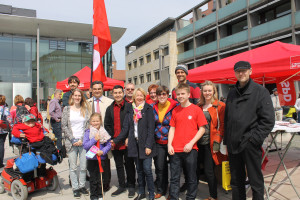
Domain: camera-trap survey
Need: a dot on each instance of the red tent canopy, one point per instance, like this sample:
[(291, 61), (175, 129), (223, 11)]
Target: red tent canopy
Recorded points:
[(269, 62), (84, 76)]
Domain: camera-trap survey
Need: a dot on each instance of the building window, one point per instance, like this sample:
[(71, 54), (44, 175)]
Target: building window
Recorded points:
[(134, 63), (129, 80), (237, 27), (188, 45), (57, 45), (275, 13), (148, 57), (156, 75), (135, 80), (156, 55), (149, 77), (129, 66), (142, 79), (166, 51), (141, 59)]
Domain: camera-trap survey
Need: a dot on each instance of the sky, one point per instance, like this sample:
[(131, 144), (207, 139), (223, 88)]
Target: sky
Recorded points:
[(137, 16)]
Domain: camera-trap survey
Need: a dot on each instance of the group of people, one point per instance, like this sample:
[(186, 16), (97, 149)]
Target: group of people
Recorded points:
[(135, 128)]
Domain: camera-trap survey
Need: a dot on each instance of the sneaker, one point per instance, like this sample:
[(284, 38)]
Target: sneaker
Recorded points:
[(84, 191), (76, 194), (183, 188), (131, 192), (119, 191)]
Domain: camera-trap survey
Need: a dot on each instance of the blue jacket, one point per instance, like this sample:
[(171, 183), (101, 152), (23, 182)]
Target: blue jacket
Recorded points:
[(162, 128), (88, 143)]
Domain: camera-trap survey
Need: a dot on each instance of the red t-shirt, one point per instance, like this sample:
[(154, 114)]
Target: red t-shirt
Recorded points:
[(117, 125), (187, 122)]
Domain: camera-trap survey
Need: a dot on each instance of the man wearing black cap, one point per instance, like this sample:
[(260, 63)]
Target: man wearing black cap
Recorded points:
[(181, 72), (249, 118), (276, 104)]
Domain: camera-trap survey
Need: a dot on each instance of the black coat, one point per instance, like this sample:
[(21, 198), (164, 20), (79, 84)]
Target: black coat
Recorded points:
[(249, 117), (145, 133), (109, 117)]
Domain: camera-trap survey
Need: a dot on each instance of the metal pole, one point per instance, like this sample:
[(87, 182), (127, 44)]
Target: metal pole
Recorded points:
[(38, 66)]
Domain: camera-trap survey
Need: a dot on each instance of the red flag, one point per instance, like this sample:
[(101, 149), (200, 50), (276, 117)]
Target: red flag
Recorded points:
[(99, 159), (102, 39), (286, 92)]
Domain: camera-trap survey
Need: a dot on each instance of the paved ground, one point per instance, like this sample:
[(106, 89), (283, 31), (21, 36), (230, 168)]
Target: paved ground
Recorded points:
[(283, 191)]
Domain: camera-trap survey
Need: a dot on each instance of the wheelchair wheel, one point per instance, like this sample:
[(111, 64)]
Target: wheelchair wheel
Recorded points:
[(2, 190), (54, 183), (18, 190)]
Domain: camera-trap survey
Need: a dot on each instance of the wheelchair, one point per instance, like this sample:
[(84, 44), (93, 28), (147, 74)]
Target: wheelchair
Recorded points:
[(21, 184)]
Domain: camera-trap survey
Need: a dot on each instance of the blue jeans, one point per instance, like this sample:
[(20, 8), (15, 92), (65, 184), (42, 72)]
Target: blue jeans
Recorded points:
[(77, 151), (177, 162), (144, 171)]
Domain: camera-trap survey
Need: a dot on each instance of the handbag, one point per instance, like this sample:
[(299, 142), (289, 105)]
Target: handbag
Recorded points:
[(63, 151), (27, 162), (226, 175)]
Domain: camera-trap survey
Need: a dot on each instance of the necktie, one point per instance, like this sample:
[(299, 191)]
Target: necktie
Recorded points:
[(98, 106)]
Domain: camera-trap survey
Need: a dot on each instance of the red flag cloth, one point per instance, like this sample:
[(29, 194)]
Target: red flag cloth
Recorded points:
[(102, 39), (286, 92), (99, 159), (266, 160)]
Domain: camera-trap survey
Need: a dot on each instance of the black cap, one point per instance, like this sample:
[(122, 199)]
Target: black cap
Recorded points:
[(242, 65)]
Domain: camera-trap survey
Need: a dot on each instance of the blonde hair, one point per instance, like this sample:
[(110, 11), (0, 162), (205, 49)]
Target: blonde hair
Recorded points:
[(83, 104), (215, 92), (136, 90), (97, 115)]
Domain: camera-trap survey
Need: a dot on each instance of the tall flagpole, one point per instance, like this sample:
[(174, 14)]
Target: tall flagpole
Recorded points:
[(38, 66), (92, 66)]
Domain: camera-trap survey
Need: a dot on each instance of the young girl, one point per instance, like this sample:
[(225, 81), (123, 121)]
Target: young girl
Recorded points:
[(96, 133)]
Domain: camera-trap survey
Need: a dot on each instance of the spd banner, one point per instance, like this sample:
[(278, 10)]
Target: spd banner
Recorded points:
[(286, 92)]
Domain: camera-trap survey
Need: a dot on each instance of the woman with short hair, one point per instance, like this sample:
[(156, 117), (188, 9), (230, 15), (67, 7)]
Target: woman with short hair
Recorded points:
[(138, 127)]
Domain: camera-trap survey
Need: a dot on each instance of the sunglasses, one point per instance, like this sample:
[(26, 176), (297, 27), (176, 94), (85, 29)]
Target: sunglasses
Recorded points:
[(129, 89)]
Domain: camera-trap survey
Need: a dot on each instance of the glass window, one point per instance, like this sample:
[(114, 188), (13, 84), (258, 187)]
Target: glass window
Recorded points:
[(188, 45), (33, 49), (283, 10), (148, 57), (166, 51), (50, 55), (51, 72), (141, 61), (141, 79), (135, 80), (149, 77), (156, 75), (129, 80), (21, 71), (21, 48), (6, 48), (134, 63), (238, 27), (73, 52), (86, 52), (129, 66), (72, 68), (6, 70), (156, 55)]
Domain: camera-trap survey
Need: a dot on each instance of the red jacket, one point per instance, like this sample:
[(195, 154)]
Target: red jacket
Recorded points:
[(33, 134), (217, 113)]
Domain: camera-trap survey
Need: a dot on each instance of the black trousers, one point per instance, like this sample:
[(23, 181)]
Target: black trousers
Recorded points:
[(177, 162), (107, 173), (161, 169), (2, 142), (95, 179), (56, 126), (250, 158), (122, 160), (209, 166)]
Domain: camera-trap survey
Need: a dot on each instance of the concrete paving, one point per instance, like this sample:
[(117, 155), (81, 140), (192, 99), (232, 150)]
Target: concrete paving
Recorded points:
[(283, 191)]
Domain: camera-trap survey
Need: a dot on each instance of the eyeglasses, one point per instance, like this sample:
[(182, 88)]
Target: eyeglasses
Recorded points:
[(129, 89), (162, 94)]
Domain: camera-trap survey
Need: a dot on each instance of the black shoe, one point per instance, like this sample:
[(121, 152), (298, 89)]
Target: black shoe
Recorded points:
[(183, 188), (84, 191), (1, 165), (76, 194), (119, 191), (106, 187), (131, 192), (140, 196)]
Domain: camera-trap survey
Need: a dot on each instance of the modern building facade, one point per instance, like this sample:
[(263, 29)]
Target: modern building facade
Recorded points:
[(152, 58), (64, 48), (233, 27)]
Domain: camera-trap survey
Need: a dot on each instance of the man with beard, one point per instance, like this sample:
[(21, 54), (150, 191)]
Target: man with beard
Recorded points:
[(73, 82)]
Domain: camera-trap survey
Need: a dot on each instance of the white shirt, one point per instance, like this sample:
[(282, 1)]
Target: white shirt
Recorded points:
[(136, 135), (77, 124), (95, 102)]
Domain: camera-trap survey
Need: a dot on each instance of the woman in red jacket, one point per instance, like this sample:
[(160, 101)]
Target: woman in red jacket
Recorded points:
[(209, 143)]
